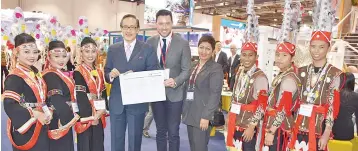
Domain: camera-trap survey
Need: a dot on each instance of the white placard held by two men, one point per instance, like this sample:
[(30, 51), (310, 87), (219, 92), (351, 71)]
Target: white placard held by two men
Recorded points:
[(143, 87)]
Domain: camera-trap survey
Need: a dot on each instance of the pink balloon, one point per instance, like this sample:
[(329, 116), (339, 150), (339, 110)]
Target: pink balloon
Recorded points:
[(105, 32), (38, 26), (37, 36), (73, 32), (53, 20), (81, 22), (18, 15)]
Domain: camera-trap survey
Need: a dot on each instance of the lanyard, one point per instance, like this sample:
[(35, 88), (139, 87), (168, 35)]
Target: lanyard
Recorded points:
[(69, 80), (166, 51), (193, 77), (98, 86), (38, 83)]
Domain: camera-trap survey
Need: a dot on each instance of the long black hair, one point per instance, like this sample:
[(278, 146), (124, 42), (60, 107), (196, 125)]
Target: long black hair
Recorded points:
[(347, 86)]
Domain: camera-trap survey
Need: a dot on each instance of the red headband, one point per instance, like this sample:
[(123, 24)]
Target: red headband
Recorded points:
[(321, 35), (249, 46), (286, 47)]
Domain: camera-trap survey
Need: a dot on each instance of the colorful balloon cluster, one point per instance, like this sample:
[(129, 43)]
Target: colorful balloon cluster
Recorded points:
[(47, 30)]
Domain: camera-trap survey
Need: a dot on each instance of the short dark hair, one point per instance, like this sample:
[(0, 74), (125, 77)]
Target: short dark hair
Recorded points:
[(164, 12), (217, 41), (23, 38), (209, 39), (129, 16)]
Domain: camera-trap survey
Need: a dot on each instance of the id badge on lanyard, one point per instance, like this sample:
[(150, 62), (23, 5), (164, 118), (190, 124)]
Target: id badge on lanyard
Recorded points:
[(190, 94), (46, 109)]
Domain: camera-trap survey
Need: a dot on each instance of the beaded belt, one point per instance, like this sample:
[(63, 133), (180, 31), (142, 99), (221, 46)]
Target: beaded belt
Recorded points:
[(31, 105)]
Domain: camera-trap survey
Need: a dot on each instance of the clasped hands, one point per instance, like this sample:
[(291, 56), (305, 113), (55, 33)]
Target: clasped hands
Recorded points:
[(42, 117), (97, 116)]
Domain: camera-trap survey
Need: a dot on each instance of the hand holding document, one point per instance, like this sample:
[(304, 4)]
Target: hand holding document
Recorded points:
[(143, 87)]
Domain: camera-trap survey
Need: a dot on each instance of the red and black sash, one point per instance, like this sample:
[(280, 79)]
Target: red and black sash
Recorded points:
[(95, 85), (36, 84), (59, 133)]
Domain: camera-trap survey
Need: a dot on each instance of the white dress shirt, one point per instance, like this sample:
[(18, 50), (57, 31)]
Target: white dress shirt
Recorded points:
[(217, 56), (132, 44), (160, 43)]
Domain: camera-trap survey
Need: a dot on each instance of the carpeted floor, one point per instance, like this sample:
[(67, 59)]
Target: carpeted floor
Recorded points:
[(216, 143)]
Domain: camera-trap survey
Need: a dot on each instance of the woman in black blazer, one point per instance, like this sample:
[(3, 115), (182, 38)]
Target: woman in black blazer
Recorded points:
[(203, 95)]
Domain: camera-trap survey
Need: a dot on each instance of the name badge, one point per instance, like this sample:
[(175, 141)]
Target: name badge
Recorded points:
[(306, 110), (235, 108), (190, 96), (166, 74), (74, 107), (46, 110), (99, 104)]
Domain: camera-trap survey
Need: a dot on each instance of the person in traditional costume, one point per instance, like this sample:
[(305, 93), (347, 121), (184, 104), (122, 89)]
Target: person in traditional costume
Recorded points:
[(319, 99), (91, 99), (284, 90), (249, 92), (61, 94), (25, 99)]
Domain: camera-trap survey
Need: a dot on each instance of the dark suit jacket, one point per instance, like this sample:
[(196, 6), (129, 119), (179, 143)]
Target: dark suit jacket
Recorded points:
[(232, 68), (207, 94), (223, 61), (178, 61), (143, 58)]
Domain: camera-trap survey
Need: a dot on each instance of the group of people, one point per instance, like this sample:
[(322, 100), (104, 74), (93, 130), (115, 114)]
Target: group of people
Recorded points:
[(297, 111)]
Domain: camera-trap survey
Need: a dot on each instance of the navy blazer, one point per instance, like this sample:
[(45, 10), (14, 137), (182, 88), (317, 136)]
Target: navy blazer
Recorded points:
[(143, 58)]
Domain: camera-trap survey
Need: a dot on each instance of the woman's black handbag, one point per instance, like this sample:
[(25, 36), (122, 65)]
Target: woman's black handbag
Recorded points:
[(219, 119)]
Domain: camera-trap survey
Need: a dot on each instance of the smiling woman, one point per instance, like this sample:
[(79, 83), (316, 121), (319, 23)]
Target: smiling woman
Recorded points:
[(24, 99), (203, 96)]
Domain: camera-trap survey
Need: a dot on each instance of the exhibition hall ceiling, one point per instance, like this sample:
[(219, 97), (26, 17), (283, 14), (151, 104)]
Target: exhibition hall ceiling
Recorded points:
[(270, 12)]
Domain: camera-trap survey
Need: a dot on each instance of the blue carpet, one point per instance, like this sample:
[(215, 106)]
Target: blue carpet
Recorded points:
[(148, 144)]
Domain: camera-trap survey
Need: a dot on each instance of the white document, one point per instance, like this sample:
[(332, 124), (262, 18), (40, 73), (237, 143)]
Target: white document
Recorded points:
[(306, 110), (142, 87), (166, 72)]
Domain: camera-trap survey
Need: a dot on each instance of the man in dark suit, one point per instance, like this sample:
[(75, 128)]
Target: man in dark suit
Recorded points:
[(173, 53), (220, 57), (234, 62), (131, 55)]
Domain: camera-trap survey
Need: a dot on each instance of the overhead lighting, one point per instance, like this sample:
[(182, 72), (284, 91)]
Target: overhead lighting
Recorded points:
[(258, 7), (275, 19), (258, 16)]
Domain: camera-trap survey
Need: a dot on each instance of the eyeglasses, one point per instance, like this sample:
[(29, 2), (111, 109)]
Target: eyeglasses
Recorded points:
[(129, 27)]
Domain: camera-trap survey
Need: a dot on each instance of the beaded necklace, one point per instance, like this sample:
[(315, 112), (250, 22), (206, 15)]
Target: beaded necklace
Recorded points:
[(311, 92)]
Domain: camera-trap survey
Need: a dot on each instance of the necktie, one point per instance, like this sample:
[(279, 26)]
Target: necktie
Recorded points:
[(128, 52), (164, 51)]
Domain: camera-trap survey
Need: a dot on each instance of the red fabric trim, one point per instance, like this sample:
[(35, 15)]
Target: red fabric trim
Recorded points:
[(81, 127), (336, 104), (32, 140), (232, 121)]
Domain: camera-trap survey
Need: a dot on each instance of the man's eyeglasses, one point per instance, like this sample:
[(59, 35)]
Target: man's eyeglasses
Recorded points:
[(129, 28)]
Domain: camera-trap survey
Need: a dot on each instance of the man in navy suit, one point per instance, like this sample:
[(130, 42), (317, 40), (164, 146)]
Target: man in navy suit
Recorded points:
[(131, 55)]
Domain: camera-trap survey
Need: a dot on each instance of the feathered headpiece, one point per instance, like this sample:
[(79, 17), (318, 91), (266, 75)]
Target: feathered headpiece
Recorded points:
[(289, 28), (252, 31), (323, 19)]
